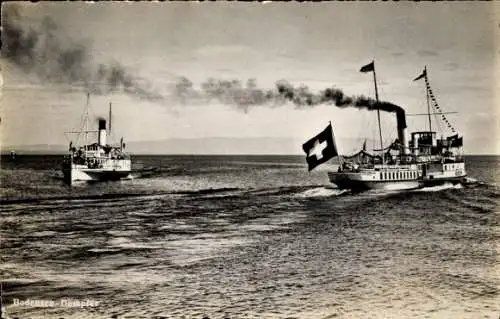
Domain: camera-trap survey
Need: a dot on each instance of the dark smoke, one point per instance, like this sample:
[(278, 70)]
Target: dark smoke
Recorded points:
[(44, 52), (41, 50), (233, 92)]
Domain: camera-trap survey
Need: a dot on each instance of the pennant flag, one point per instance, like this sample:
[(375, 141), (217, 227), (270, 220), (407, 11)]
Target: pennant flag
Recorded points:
[(320, 148), (368, 68), (424, 74)]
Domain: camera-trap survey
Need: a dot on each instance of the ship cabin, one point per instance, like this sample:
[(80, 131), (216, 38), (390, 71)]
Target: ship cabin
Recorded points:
[(95, 155), (426, 147), (438, 158)]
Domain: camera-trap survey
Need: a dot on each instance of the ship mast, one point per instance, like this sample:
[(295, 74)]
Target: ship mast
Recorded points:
[(378, 112), (109, 118), (428, 100), (86, 122)]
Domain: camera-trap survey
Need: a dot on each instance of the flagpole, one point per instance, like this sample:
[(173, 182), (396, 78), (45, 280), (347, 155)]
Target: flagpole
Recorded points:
[(341, 162), (378, 112)]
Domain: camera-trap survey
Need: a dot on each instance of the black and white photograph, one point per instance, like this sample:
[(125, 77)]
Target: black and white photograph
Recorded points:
[(226, 160)]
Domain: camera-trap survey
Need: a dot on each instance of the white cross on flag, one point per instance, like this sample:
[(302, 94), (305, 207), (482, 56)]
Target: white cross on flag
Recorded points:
[(320, 148)]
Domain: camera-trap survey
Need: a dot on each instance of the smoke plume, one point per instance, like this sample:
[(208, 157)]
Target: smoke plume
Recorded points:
[(233, 92), (45, 52), (41, 49)]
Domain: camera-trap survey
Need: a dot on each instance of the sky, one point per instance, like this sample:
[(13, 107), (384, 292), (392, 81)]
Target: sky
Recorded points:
[(136, 55)]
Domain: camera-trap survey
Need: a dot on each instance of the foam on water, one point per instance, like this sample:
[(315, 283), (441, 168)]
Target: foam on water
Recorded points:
[(129, 243), (321, 192), (439, 188)]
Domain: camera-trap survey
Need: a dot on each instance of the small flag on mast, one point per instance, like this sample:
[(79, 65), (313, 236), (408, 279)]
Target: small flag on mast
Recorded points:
[(320, 148), (368, 68), (424, 74)]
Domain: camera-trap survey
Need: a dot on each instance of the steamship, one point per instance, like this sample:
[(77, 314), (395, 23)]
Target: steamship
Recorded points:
[(424, 161), (98, 161)]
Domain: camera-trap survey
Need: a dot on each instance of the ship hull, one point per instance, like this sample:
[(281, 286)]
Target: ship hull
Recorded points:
[(355, 182), (81, 173)]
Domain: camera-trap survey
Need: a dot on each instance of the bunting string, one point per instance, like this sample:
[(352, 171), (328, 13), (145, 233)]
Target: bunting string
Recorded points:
[(436, 106)]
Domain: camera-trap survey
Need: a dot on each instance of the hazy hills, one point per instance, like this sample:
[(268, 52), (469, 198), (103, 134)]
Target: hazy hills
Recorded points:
[(217, 145)]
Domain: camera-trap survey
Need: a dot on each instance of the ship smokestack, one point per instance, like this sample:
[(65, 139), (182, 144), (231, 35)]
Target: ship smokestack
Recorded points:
[(102, 132), (401, 118)]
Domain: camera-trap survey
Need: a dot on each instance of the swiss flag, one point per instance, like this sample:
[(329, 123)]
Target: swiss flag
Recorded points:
[(320, 148)]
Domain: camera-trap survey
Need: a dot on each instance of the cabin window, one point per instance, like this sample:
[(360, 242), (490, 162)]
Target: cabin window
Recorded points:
[(380, 175)]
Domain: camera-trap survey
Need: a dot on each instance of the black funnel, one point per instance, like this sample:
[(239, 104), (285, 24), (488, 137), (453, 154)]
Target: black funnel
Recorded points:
[(102, 124)]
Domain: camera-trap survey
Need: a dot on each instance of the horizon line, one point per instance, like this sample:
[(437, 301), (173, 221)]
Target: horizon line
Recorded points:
[(41, 153)]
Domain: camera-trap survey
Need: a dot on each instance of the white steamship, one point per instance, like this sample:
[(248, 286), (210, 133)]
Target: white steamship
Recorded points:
[(425, 160), (98, 161)]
